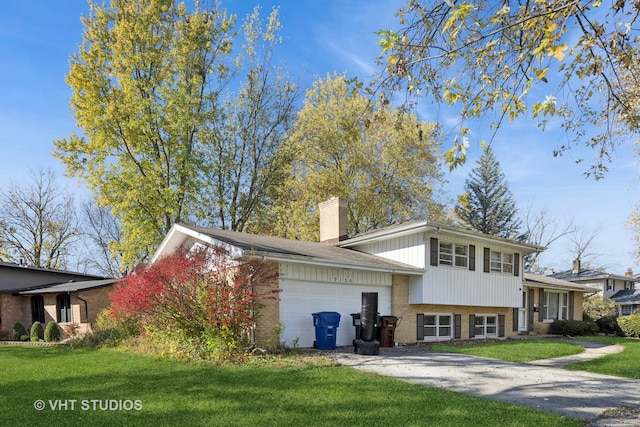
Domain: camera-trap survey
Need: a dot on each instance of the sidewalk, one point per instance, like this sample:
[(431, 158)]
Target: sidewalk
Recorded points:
[(541, 384)]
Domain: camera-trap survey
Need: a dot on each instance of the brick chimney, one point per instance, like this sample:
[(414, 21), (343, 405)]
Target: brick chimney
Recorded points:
[(576, 266), (333, 220), (628, 273)]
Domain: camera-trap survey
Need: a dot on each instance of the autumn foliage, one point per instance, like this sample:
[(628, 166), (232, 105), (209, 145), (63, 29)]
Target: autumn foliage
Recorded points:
[(198, 303)]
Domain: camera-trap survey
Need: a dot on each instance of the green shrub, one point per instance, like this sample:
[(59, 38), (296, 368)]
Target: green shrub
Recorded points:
[(608, 325), (630, 325), (20, 332), (122, 327), (573, 328), (37, 332), (595, 307), (52, 332)]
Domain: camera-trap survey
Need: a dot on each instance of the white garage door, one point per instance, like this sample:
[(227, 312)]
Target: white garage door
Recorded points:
[(299, 300)]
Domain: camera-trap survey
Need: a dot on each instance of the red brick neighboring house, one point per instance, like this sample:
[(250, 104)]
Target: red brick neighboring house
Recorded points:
[(29, 294)]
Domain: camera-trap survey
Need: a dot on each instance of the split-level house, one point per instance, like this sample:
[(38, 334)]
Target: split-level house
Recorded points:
[(621, 289), (441, 282), (29, 294)]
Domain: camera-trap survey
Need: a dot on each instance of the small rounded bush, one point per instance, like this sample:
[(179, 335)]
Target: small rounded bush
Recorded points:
[(37, 332), (609, 326), (630, 325), (52, 332), (19, 332)]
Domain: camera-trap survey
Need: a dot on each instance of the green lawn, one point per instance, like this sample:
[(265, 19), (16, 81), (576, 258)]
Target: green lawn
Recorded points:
[(624, 364), (514, 351), (170, 393)]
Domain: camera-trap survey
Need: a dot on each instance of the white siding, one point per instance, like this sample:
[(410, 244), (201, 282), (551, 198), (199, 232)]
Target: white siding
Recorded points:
[(407, 249), (457, 286), (307, 290), (450, 285)]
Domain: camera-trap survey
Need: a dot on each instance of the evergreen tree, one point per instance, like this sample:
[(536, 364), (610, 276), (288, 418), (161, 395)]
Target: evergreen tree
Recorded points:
[(487, 205)]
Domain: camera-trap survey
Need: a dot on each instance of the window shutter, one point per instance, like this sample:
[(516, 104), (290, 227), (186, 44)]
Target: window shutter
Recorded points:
[(516, 310), (542, 300), (472, 257), (420, 324), (501, 321), (516, 264), (434, 252), (487, 259), (571, 302), (472, 325), (530, 310), (457, 320)]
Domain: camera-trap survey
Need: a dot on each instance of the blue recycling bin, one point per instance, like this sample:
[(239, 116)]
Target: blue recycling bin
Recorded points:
[(326, 324)]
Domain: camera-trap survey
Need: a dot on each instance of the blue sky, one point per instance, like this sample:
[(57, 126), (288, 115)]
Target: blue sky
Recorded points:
[(38, 37)]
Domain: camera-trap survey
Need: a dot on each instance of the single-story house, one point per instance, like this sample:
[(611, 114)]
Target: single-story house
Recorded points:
[(29, 294), (441, 282)]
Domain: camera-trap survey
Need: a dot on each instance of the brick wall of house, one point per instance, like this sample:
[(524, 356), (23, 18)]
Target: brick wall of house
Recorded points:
[(15, 309), (269, 312), (406, 331)]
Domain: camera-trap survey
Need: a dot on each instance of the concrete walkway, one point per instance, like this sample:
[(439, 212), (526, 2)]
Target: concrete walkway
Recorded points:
[(591, 351), (541, 384)]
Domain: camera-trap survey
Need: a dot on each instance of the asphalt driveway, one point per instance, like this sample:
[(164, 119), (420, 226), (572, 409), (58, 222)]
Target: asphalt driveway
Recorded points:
[(542, 384)]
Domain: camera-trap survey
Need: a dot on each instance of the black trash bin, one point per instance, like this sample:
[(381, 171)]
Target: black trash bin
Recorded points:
[(387, 330), (326, 324)]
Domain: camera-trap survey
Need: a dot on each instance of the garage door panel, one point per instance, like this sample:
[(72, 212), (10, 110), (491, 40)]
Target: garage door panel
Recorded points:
[(299, 300)]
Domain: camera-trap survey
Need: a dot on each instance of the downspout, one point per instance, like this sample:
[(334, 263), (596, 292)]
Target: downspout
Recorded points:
[(252, 335), (86, 308)]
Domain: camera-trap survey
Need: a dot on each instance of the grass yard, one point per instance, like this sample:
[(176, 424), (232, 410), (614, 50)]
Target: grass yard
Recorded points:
[(514, 351), (624, 364), (141, 390)]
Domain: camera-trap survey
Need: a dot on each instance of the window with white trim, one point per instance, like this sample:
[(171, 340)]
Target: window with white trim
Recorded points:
[(555, 306), (610, 285), (626, 310), (438, 327), (453, 254), (486, 326), (501, 262)]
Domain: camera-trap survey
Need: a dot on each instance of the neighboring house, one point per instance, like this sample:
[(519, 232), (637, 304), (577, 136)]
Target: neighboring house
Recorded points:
[(619, 288), (441, 282), (605, 284), (627, 301), (29, 294)]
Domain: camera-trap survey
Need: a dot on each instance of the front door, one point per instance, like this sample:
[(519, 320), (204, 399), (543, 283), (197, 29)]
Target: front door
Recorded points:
[(522, 313)]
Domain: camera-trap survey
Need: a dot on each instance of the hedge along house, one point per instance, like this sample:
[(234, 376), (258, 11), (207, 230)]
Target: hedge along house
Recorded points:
[(442, 282), (29, 294)]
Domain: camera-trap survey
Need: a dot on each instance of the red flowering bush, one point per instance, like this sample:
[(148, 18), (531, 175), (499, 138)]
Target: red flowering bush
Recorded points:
[(200, 303)]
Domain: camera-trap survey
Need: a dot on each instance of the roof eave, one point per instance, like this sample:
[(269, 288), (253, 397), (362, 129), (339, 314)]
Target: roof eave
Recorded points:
[(425, 226), (296, 259)]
